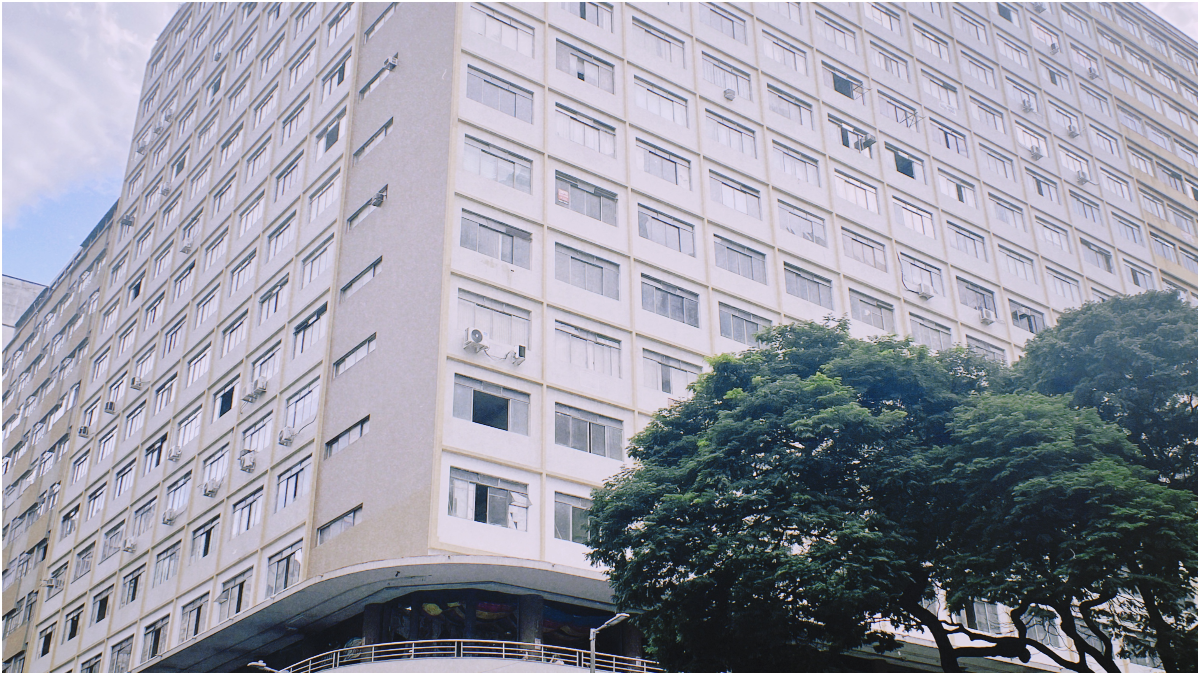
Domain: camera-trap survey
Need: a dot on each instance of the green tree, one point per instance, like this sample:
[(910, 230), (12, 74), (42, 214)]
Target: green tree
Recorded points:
[(1133, 359), (818, 484)]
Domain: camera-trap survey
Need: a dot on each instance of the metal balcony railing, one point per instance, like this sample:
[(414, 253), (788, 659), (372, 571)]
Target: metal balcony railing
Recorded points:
[(478, 649)]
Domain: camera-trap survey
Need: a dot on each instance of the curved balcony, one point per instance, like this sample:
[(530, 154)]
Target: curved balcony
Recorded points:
[(525, 657)]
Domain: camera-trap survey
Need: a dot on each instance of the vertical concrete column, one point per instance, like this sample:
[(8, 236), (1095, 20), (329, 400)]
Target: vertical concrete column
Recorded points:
[(470, 605), (631, 640), (531, 618), (372, 623)]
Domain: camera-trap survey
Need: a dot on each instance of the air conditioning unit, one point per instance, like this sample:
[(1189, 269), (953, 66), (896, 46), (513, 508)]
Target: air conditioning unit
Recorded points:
[(110, 407), (217, 56), (140, 149), (136, 382), (168, 115), (1027, 106), (730, 94), (169, 516), (986, 316), (390, 63), (52, 584), (1072, 132), (210, 487), (174, 453), (1093, 73), (1035, 153), (476, 339), (83, 432), (129, 545), (158, 129), (1038, 7), (246, 460), (864, 142), (286, 435), (925, 291), (127, 220), (1054, 49), (165, 189), (377, 200), (518, 354), (1081, 177), (186, 248), (260, 386)]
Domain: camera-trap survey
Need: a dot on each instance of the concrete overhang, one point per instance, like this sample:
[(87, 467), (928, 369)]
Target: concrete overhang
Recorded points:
[(329, 598)]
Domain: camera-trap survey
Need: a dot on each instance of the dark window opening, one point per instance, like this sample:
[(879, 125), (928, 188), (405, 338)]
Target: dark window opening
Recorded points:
[(489, 410)]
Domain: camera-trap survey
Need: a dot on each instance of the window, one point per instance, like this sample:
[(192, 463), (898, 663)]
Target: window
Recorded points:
[(301, 407), (324, 197), (571, 518), (785, 54), (247, 512), (666, 231), (79, 467), (487, 499), (301, 66), (931, 44), (740, 325), (586, 131), (895, 66), (1026, 318), (586, 271), (241, 274), (933, 335), (339, 442), (223, 399), (292, 484), (956, 188), (1130, 120), (491, 405), (361, 279), (871, 311), (660, 102), (493, 239), (292, 122), (789, 106), (971, 27), (1018, 265), (1056, 236), (808, 286), (494, 163), (1183, 221), (665, 164), (95, 502), (802, 223), (884, 17), (338, 525), (251, 217), (670, 301), (164, 396), (1013, 53), (497, 27), (741, 260), (588, 432), (998, 163), (191, 618), (864, 250), (374, 140), (1042, 185), (283, 569), (154, 639), (584, 66), (990, 117), (166, 564), (316, 263), (503, 323), (907, 164), (847, 86), (731, 134), (585, 198), (308, 331), (837, 34), (722, 21), (135, 420), (979, 71), (663, 45), (1085, 208), (1154, 205), (952, 139), (1084, 60), (1064, 286), (500, 94), (726, 77), (1141, 162), (920, 276), (856, 191), (976, 296), (1106, 142), (177, 494), (234, 596), (328, 136)]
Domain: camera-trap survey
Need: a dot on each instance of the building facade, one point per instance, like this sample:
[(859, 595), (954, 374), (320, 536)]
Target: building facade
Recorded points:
[(390, 285), (19, 294)]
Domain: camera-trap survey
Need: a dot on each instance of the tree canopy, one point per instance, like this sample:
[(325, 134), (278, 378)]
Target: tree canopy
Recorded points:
[(818, 491)]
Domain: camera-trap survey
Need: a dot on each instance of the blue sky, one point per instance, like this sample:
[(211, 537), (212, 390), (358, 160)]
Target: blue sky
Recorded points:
[(72, 77)]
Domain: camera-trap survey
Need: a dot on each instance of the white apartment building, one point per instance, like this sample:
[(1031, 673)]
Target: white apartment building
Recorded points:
[(390, 286)]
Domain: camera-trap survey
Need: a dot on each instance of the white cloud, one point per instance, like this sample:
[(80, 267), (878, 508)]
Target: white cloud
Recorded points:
[(72, 76), (1182, 15)]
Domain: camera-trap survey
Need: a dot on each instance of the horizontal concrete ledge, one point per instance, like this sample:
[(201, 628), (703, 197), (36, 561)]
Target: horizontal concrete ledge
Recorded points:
[(323, 600)]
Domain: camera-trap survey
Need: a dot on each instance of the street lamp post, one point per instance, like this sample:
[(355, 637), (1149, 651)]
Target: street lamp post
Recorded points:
[(594, 631)]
